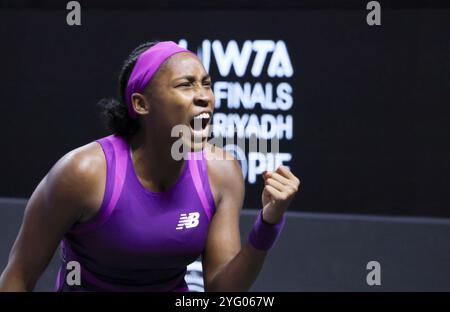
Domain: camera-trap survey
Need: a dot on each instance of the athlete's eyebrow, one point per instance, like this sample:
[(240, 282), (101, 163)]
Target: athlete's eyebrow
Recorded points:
[(192, 78)]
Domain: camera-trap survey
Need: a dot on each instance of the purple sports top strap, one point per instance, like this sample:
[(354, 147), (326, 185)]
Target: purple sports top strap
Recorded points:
[(195, 172), (114, 184)]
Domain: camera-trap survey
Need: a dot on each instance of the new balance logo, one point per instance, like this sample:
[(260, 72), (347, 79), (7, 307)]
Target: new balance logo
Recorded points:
[(188, 221)]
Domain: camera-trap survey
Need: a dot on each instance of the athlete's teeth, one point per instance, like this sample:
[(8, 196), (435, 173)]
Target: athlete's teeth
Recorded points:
[(201, 116)]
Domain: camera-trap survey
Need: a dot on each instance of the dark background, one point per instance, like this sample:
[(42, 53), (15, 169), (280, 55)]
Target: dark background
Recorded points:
[(371, 104)]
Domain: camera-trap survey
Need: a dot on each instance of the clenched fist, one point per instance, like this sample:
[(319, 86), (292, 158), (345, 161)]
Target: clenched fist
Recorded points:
[(280, 188)]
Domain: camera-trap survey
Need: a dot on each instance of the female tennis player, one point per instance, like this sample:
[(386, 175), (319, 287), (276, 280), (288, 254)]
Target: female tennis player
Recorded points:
[(128, 215)]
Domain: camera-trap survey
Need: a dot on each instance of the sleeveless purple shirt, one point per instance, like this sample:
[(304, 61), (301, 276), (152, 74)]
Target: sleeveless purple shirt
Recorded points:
[(140, 240)]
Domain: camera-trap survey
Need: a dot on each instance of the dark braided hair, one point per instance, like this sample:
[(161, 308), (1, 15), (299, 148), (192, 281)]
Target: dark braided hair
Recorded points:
[(115, 113)]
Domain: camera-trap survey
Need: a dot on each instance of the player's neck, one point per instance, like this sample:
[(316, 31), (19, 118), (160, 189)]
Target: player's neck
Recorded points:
[(153, 162)]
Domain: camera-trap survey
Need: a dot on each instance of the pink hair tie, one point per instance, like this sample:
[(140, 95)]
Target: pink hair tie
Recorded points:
[(146, 66)]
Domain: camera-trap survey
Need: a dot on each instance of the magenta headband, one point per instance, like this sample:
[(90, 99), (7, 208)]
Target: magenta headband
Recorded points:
[(146, 66)]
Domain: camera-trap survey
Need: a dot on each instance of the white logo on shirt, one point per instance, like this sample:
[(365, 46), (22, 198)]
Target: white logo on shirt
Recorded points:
[(188, 221)]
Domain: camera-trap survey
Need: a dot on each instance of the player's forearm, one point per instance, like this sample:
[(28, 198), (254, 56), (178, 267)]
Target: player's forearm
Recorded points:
[(240, 273), (10, 281)]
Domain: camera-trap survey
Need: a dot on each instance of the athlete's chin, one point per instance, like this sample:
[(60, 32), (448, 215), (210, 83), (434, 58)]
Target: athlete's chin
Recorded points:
[(199, 138), (198, 145)]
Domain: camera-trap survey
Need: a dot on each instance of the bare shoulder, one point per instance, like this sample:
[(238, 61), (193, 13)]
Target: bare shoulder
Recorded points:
[(224, 172), (79, 178)]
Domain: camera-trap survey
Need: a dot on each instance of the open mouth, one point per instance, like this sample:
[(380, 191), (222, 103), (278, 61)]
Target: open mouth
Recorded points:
[(200, 121)]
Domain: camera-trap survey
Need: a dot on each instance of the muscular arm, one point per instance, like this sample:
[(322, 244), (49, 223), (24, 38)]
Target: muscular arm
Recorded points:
[(227, 266), (63, 197)]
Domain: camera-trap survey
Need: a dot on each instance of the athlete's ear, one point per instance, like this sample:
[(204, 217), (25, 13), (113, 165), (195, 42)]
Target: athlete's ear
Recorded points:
[(140, 104)]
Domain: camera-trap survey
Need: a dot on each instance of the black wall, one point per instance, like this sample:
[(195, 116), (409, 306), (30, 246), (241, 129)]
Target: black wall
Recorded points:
[(371, 104)]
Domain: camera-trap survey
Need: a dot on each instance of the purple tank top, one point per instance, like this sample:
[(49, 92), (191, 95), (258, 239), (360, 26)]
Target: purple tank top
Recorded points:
[(140, 240)]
